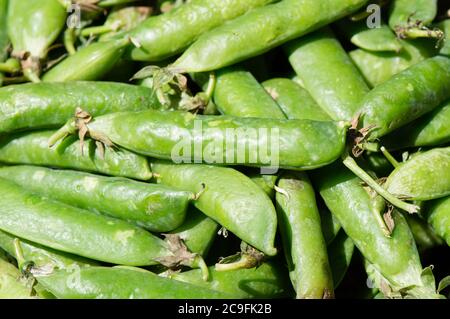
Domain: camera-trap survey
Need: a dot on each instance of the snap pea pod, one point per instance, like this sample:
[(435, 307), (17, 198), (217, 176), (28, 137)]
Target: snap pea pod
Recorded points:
[(266, 281), (167, 34), (154, 207), (84, 233), (319, 59), (182, 136), (303, 241), (294, 101), (198, 232), (406, 96), (340, 253), (378, 39), (42, 105), (244, 209), (237, 91), (42, 257), (378, 67), (259, 31), (396, 258), (12, 284), (120, 283), (89, 63), (424, 177), (438, 215), (330, 224), (429, 130), (32, 27), (423, 233), (445, 48), (32, 148)]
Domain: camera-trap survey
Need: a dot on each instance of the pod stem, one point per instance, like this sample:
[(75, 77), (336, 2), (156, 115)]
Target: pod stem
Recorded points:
[(68, 129), (69, 41), (389, 157), (415, 32), (99, 30), (10, 66), (31, 75), (351, 164), (249, 257), (211, 86)]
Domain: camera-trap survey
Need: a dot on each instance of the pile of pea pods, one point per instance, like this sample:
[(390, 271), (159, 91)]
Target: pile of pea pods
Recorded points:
[(119, 177)]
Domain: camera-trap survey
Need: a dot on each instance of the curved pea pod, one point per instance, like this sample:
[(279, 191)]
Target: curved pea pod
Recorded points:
[(405, 14), (184, 137), (396, 258), (32, 27), (438, 216), (167, 34), (12, 284), (406, 96), (268, 280), (429, 130), (340, 253), (320, 61), (303, 241), (86, 234), (154, 207), (378, 67), (259, 31), (32, 148), (445, 46), (89, 63), (294, 101), (237, 91), (378, 39), (42, 257), (198, 232), (423, 233), (120, 283), (42, 105), (244, 209), (424, 177)]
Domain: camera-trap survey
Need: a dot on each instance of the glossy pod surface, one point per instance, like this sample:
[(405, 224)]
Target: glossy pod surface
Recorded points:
[(168, 34), (265, 281), (229, 197), (321, 62), (183, 136), (12, 284), (294, 101), (32, 148), (438, 215), (121, 283), (37, 105), (406, 96), (260, 30), (154, 207), (425, 176), (74, 230), (340, 253), (403, 12)]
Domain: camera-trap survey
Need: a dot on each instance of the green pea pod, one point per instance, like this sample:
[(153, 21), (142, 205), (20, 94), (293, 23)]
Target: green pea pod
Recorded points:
[(89, 63), (261, 30), (87, 234), (245, 210), (268, 280), (445, 48), (340, 253), (294, 101), (12, 284), (429, 130), (198, 232), (407, 13), (4, 41), (396, 258), (32, 148), (378, 67), (303, 241), (167, 34), (120, 283), (154, 207), (32, 27), (378, 39), (424, 177), (41, 105), (42, 257), (237, 90), (330, 224), (438, 215), (423, 233), (174, 135), (320, 61), (406, 96)]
